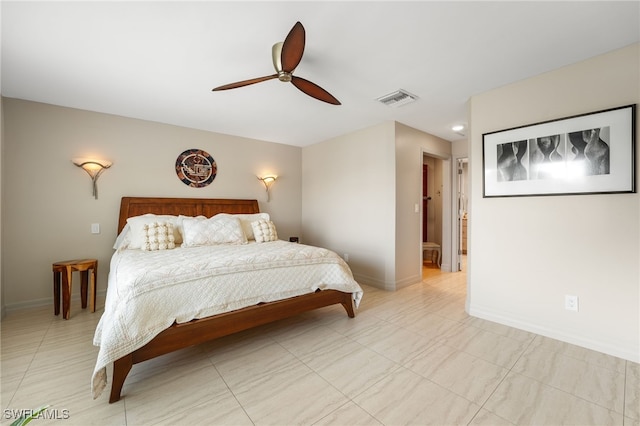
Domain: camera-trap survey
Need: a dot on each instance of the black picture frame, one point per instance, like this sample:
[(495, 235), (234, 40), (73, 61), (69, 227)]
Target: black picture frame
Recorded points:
[(591, 153)]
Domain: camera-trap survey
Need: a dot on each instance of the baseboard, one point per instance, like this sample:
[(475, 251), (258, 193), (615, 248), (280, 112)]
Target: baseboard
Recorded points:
[(408, 281), (47, 301), (609, 348), (374, 282)]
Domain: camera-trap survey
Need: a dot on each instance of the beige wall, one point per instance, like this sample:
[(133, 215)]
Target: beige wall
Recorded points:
[(348, 190), (359, 196), (460, 148), (411, 145), (527, 253), (47, 207)]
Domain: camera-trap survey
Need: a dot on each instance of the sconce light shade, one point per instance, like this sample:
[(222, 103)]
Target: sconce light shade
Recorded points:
[(267, 181), (94, 168)]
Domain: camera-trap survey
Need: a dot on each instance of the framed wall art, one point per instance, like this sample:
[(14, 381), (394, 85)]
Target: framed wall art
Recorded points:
[(196, 168), (584, 154)]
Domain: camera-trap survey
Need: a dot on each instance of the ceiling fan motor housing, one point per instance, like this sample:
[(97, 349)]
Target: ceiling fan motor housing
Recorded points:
[(276, 56)]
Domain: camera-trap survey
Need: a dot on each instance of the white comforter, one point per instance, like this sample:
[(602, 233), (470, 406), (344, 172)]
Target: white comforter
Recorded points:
[(150, 290)]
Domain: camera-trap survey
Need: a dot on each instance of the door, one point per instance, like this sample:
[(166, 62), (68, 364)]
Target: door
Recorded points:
[(425, 202)]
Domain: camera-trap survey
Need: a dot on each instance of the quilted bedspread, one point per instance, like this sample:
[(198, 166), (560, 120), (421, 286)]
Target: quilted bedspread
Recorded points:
[(150, 290)]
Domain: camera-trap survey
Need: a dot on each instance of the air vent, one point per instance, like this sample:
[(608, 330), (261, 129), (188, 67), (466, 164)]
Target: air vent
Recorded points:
[(397, 98)]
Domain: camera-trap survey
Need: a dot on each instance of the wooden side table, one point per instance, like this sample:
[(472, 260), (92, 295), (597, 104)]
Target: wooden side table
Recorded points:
[(62, 276)]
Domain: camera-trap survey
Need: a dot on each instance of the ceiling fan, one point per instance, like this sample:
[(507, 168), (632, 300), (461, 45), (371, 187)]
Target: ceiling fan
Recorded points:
[(286, 57)]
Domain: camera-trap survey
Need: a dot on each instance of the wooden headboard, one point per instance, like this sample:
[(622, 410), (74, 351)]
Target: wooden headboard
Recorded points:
[(136, 206)]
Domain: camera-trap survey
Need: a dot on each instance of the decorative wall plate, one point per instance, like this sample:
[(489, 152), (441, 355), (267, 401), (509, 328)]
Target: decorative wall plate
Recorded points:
[(196, 168)]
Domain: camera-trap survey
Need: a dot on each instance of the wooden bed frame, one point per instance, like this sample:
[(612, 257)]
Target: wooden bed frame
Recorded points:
[(180, 336)]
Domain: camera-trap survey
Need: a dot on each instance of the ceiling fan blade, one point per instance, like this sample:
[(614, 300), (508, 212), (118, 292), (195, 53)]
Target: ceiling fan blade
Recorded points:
[(245, 82), (293, 48), (314, 90)]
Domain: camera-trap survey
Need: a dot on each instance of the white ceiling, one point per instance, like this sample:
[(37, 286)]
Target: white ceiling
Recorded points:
[(159, 60)]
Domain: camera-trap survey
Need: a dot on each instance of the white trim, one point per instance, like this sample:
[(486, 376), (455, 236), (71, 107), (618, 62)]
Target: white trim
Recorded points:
[(616, 349), (374, 282), (409, 281), (36, 303)]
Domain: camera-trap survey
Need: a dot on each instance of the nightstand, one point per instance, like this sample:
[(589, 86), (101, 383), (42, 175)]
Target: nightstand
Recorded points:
[(62, 277)]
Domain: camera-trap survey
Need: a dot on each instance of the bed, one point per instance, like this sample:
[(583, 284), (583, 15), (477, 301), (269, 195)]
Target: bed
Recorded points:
[(155, 292)]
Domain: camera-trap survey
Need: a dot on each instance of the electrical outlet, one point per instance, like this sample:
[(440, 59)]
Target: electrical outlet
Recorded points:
[(571, 303), (346, 257), (95, 228)]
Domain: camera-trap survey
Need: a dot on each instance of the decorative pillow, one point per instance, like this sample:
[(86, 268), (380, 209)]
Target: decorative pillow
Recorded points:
[(220, 229), (246, 219), (158, 236), (264, 230), (179, 222), (137, 228)]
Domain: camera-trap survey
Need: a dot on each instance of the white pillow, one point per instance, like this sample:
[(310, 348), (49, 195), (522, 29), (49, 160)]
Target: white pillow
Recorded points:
[(264, 230), (246, 219), (124, 238), (158, 236), (137, 228), (220, 229), (178, 225)]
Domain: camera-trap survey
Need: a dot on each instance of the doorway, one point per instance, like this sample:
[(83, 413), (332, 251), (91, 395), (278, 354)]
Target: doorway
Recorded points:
[(432, 212)]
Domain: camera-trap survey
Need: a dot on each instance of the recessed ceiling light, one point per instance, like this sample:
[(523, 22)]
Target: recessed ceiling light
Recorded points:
[(457, 128)]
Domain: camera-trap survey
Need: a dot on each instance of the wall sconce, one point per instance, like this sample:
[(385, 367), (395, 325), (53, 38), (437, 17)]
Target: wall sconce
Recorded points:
[(267, 181), (94, 168)]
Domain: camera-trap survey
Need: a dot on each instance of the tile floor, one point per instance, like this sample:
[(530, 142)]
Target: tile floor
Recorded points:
[(411, 357)]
